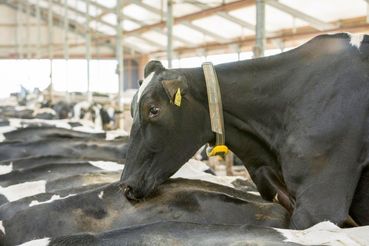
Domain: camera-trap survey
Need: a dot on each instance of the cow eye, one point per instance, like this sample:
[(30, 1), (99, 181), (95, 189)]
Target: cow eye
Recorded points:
[(154, 111)]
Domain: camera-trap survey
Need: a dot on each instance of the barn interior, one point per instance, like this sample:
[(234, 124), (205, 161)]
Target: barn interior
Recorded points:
[(69, 73)]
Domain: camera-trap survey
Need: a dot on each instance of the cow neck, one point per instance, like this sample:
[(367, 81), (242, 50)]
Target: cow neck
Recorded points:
[(254, 94)]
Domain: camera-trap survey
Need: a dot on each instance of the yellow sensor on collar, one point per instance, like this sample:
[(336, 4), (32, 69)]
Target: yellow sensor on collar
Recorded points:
[(218, 150)]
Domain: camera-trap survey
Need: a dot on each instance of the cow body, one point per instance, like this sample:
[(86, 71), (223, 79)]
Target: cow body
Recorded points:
[(30, 134), (298, 120), (58, 147), (107, 208), (177, 233)]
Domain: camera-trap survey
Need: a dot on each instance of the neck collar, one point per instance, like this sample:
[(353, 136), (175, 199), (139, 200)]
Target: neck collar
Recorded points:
[(215, 109)]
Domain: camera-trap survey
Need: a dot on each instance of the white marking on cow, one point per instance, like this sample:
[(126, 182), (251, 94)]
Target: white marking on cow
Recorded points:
[(101, 194), (4, 169), (78, 108), (18, 191), (52, 199), (110, 135), (37, 242), (356, 39), (107, 165), (194, 169), (254, 193), (2, 137), (2, 227), (144, 84), (98, 120), (324, 233), (5, 129)]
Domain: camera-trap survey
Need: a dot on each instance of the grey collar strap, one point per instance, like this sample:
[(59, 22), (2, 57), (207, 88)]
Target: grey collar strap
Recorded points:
[(215, 108)]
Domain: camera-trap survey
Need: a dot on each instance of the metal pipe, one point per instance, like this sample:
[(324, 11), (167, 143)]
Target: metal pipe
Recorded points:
[(28, 48), (50, 46), (38, 18), (260, 29), (88, 49), (119, 51), (19, 31), (169, 32), (66, 47)]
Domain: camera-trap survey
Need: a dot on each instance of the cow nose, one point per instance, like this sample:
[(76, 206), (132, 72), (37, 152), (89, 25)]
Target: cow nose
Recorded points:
[(128, 192), (127, 189)]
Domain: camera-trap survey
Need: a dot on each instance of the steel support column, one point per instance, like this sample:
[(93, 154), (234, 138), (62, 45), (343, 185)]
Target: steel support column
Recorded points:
[(19, 31), (119, 51), (88, 50), (66, 48), (28, 33), (38, 18), (50, 45), (169, 32), (260, 29)]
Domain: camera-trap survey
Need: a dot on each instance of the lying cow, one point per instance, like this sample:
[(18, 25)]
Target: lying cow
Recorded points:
[(18, 191), (107, 208), (90, 149), (174, 233), (30, 134), (185, 233), (297, 120), (9, 166)]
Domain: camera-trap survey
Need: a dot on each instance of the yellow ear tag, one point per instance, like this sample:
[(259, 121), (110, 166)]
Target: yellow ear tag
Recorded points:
[(178, 98)]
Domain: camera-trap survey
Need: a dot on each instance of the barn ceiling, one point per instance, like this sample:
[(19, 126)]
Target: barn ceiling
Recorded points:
[(200, 26)]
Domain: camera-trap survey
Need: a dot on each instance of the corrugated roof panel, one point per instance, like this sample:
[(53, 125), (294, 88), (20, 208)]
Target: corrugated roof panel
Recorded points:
[(191, 35), (156, 3), (129, 25), (180, 9), (106, 29), (107, 3), (110, 18), (219, 26), (274, 19), (159, 38), (214, 3), (139, 44), (141, 14), (329, 10)]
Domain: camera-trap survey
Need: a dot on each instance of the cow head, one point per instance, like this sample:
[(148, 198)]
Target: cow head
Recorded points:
[(169, 125)]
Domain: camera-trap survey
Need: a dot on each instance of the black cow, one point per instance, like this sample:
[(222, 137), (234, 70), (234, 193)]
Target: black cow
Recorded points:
[(175, 233), (298, 120), (106, 208), (35, 133), (20, 190), (9, 209), (89, 149)]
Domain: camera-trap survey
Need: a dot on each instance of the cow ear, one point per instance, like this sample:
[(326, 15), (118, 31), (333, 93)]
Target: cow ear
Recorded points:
[(175, 89), (153, 66)]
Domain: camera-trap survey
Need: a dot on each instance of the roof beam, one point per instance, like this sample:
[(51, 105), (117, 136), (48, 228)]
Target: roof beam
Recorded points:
[(149, 42), (186, 23), (227, 16), (193, 16), (58, 20), (355, 25), (314, 22), (205, 32), (140, 23)]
